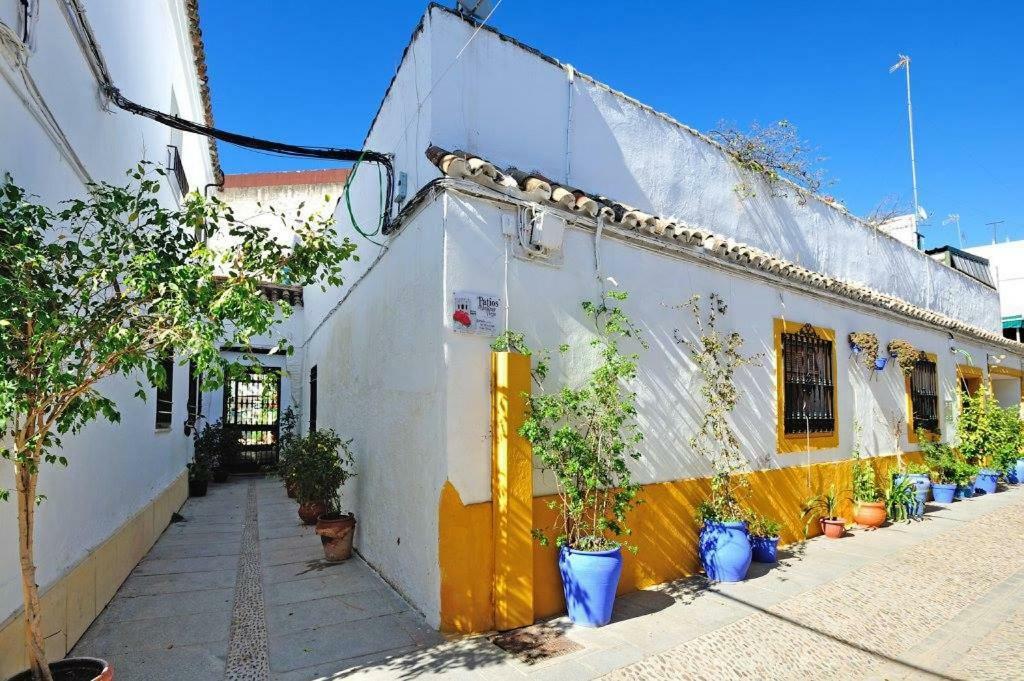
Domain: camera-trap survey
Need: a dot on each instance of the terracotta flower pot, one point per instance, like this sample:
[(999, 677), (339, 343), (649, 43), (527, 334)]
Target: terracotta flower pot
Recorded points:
[(336, 532), (869, 513), (292, 489), (833, 528), (75, 669), (309, 511)]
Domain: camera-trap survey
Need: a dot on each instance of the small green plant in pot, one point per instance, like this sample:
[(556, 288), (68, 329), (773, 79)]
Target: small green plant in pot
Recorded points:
[(824, 508), (199, 475), (764, 538), (215, 445), (585, 435), (868, 504), (948, 469), (286, 450), (900, 499)]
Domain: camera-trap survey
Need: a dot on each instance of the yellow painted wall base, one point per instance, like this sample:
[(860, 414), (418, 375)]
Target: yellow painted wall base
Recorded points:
[(664, 530), (74, 601)]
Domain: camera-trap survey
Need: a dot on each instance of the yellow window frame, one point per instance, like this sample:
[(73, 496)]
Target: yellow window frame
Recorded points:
[(801, 442), (929, 435)]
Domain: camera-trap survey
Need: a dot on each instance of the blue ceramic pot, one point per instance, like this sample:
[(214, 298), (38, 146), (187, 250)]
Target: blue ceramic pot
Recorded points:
[(943, 494), (986, 480), (1019, 470), (1011, 475), (965, 491), (922, 484), (589, 580), (764, 549), (880, 363), (725, 551)]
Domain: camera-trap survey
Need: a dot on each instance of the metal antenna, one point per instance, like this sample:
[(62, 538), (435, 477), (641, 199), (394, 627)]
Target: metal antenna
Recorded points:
[(955, 217), (904, 63), (994, 226)]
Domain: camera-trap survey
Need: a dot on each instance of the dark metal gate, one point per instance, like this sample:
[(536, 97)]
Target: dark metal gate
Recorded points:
[(252, 409)]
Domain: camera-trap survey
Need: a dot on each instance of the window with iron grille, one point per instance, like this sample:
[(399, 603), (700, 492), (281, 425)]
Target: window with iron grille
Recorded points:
[(312, 399), (177, 170), (924, 395), (809, 397), (165, 394)]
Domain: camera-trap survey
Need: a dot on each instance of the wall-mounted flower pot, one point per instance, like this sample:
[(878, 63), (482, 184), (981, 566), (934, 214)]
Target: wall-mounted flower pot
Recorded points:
[(986, 480), (833, 528), (589, 580), (880, 363), (336, 531), (75, 669), (856, 349), (965, 491), (943, 493), (922, 485), (764, 549), (724, 550), (869, 513), (309, 511), (197, 488)]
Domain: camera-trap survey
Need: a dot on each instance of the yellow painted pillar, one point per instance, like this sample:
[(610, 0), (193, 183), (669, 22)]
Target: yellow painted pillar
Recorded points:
[(511, 492)]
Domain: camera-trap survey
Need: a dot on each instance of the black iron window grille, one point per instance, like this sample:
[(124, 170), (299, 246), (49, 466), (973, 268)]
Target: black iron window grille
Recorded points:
[(165, 394), (924, 395), (809, 397), (177, 170)]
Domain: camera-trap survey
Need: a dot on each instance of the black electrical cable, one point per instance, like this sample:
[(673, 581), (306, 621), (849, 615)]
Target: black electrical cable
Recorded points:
[(354, 155)]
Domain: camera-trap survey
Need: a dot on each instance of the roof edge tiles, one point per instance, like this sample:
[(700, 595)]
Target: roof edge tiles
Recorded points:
[(288, 177), (542, 190)]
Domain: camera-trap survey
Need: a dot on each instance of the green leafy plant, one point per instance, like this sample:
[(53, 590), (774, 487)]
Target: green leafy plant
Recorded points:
[(321, 465), (763, 526), (946, 466), (289, 429), (717, 356), (905, 353), (824, 506), (214, 446), (585, 436), (982, 432), (865, 487), (198, 470), (900, 497), (108, 285), (915, 468), (868, 344)]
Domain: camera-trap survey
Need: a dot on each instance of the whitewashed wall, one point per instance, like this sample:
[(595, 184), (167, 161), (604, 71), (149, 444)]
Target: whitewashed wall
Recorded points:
[(512, 107), (1007, 261), (544, 302), (149, 54)]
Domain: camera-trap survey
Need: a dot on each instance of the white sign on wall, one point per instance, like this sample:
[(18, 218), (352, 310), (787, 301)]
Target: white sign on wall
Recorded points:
[(477, 313)]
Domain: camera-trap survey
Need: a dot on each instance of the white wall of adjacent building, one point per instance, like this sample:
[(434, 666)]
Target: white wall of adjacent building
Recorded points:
[(114, 470), (1007, 262)]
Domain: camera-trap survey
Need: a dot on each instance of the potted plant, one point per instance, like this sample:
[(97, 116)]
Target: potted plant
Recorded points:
[(336, 529), (764, 539), (724, 542), (905, 354), (865, 344), (286, 448), (214, 445), (980, 434), (825, 509), (868, 505), (1005, 441), (948, 470), (198, 477), (900, 499), (318, 472), (917, 474), (72, 320), (585, 436)]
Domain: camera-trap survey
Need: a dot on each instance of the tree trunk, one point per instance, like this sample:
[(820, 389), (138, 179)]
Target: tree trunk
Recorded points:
[(26, 484)]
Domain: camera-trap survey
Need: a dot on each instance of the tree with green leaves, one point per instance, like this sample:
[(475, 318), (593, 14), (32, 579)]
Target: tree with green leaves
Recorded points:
[(586, 435), (108, 285)]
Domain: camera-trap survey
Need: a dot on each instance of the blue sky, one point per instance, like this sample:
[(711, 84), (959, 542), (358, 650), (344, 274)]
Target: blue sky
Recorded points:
[(313, 72)]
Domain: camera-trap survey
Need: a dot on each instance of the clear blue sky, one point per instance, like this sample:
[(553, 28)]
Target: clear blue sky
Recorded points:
[(313, 72)]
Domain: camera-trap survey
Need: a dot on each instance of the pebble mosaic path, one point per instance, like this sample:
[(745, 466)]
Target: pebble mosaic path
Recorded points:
[(248, 657)]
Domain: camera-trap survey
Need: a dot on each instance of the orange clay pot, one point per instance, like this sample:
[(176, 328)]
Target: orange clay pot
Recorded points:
[(833, 528), (869, 513), (309, 511)]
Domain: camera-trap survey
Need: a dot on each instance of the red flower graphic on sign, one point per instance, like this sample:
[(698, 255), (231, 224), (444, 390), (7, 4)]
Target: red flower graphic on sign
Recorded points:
[(462, 317)]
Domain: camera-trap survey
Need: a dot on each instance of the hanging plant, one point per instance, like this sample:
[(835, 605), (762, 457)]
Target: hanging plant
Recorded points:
[(906, 355), (865, 344)]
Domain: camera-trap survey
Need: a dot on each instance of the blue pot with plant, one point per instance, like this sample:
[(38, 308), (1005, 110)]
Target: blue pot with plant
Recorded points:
[(921, 483), (986, 480), (764, 539), (965, 491), (943, 493), (880, 363), (1018, 470), (724, 550), (589, 580)]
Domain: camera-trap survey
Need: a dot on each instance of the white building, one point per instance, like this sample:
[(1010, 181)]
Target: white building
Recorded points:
[(57, 132), (398, 373), (1007, 261)]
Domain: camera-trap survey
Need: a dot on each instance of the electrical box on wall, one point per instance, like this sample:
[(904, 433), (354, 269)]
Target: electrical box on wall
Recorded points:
[(538, 236), (548, 232)]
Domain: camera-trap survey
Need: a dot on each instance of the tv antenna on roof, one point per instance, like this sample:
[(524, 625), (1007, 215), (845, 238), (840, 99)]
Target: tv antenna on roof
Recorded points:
[(478, 9), (994, 226), (955, 218)]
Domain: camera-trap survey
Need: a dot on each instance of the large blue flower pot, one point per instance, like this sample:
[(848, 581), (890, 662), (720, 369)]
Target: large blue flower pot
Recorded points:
[(1011, 476), (965, 491), (764, 549), (589, 579), (943, 494), (922, 484), (725, 551), (1019, 470), (986, 480)]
